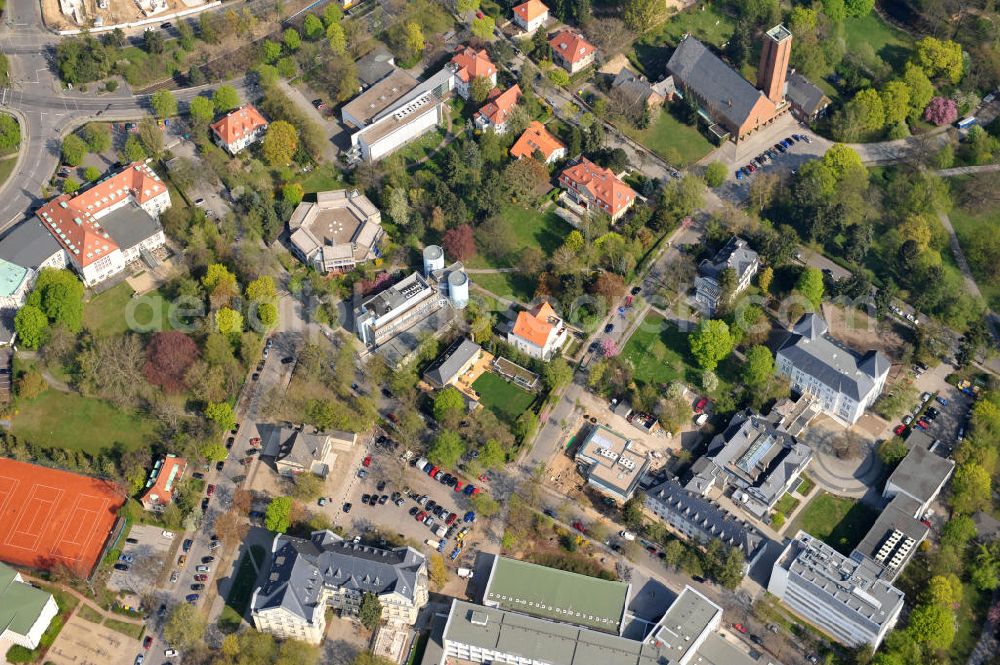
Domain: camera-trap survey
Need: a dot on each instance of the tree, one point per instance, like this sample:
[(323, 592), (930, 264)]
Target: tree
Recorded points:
[(153, 41), (59, 295), (459, 242), (941, 111), (810, 285), (446, 449), (261, 289), (70, 186), (970, 489), (225, 99), (332, 13), (483, 27), (280, 142), (485, 505), (479, 89), (73, 150), (920, 88), (169, 355), (449, 405), (985, 569), (30, 324), (151, 136), (632, 512), (290, 37), (895, 102), (164, 104), (557, 373), (940, 58), (336, 39), (413, 39), (859, 8), (492, 455), (641, 15), (559, 77), (228, 321), (92, 174), (31, 385), (465, 6), (765, 278), (307, 487), (715, 174), (710, 343), (437, 571), (185, 627), (932, 625), (370, 612), (10, 132), (312, 27), (221, 413), (278, 516), (267, 314), (202, 110), (133, 150), (759, 366), (944, 590), (97, 136)]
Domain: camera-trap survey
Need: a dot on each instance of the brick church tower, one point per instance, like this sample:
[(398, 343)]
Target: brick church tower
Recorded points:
[(774, 56)]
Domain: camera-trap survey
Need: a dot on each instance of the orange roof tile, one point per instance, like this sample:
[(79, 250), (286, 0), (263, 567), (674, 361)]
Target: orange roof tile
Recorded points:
[(472, 63), (531, 10), (73, 221), (571, 46), (602, 185), (239, 123), (168, 474), (501, 104), (536, 324), (535, 137)]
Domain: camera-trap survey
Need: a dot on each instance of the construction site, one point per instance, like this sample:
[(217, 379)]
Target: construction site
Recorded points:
[(78, 14)]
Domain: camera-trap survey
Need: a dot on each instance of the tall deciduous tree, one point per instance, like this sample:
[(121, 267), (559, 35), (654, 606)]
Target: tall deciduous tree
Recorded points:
[(164, 104), (202, 110), (641, 15), (185, 627), (459, 242), (710, 343), (225, 99), (810, 285), (169, 355), (280, 143)]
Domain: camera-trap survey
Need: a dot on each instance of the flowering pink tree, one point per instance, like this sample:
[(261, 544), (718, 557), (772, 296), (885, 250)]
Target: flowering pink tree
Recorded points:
[(941, 111), (608, 347), (993, 616)]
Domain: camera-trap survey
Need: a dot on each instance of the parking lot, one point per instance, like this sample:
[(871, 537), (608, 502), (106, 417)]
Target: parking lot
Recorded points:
[(84, 643), (389, 518), (952, 418), (148, 554)]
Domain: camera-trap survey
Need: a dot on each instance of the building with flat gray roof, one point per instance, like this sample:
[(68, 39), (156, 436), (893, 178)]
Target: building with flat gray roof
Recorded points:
[(920, 475), (843, 382), (844, 597), (610, 462), (558, 595), (687, 635), (894, 537), (380, 317), (337, 232), (375, 66), (308, 576)]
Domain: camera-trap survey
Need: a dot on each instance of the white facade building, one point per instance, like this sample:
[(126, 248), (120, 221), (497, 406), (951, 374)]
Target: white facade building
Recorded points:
[(538, 332), (25, 611)]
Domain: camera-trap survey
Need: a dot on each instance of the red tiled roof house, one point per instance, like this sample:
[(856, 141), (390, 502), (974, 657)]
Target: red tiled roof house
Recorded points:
[(107, 226), (531, 15), (536, 137), (162, 482), (496, 111), (598, 188), (538, 332), (571, 51), (239, 129), (469, 63)]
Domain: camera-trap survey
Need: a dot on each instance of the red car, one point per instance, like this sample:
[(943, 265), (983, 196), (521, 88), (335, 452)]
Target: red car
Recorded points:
[(148, 642), (433, 471), (459, 485), (579, 527), (201, 578), (368, 461), (923, 423), (899, 430), (421, 516), (451, 518), (255, 441), (211, 490), (700, 405), (739, 628)]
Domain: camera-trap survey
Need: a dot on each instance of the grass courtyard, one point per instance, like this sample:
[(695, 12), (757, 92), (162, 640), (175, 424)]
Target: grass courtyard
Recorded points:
[(889, 43), (657, 351), (839, 522), (70, 420), (671, 139), (242, 588), (502, 397), (106, 313), (705, 21), (968, 225)]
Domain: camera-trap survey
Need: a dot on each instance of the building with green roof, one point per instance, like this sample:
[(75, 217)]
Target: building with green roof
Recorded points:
[(14, 281), (558, 595), (25, 611)]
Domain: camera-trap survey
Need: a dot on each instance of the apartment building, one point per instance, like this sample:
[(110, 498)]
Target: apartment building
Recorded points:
[(308, 576), (735, 256), (341, 230), (611, 463)]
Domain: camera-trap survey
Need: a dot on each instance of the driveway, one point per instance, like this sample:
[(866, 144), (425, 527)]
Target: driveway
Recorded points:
[(337, 135)]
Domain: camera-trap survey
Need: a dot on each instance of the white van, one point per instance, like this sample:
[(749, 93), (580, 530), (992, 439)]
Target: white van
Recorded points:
[(627, 535)]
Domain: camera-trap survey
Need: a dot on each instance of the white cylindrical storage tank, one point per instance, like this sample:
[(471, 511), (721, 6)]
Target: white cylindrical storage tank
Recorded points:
[(433, 259), (458, 289)]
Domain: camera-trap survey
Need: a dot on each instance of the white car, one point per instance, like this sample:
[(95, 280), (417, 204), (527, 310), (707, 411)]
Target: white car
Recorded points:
[(169, 535), (169, 653), (202, 569)]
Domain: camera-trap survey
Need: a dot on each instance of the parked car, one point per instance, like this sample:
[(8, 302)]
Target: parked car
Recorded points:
[(420, 516), (187, 545), (608, 329), (362, 474), (197, 587), (192, 598), (220, 465), (202, 569), (169, 653), (121, 566), (578, 526), (347, 507), (700, 405), (367, 461), (899, 430), (925, 397), (907, 419), (201, 578), (210, 490), (738, 627), (942, 401)]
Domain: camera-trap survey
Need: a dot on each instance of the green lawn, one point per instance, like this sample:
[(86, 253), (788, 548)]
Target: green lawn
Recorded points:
[(706, 22), (323, 179), (246, 578), (671, 139), (839, 522), (69, 420), (133, 630), (890, 44), (786, 504), (527, 227), (7, 167), (502, 397), (105, 313), (805, 486), (87, 613), (658, 351), (517, 286), (982, 223), (415, 151)]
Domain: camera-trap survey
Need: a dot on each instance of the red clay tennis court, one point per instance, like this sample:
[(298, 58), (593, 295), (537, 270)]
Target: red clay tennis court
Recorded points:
[(50, 517)]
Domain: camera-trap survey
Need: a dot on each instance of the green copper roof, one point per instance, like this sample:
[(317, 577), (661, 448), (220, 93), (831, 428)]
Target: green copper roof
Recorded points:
[(11, 276), (20, 603)]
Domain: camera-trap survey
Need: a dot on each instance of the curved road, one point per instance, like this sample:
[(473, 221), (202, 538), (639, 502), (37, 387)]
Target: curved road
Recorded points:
[(46, 110)]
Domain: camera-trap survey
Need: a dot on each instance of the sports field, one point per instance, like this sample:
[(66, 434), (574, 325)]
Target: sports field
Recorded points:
[(50, 517)]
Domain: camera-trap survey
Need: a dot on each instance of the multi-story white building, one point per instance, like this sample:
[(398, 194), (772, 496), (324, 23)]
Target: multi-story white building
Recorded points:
[(469, 64), (25, 611), (531, 15), (611, 463), (239, 129), (844, 597), (107, 226), (308, 576), (538, 332), (339, 231), (735, 255), (396, 309), (842, 382)]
